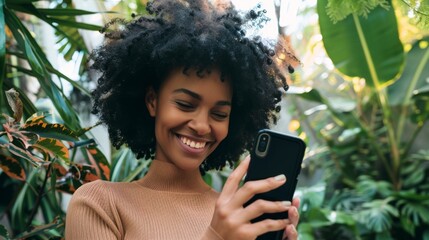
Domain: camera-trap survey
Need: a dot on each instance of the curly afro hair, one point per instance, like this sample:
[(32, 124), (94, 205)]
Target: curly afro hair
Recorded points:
[(190, 34)]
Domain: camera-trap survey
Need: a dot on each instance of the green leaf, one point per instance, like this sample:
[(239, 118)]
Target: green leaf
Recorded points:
[(318, 218), (61, 103), (75, 24), (420, 108), (54, 147), (408, 225), (312, 197), (414, 76), (144, 165), (4, 233), (72, 82), (48, 130), (414, 206), (123, 162), (358, 46), (38, 230), (53, 71), (339, 217), (74, 40), (65, 12), (377, 215), (312, 95), (19, 211), (24, 43), (12, 168)]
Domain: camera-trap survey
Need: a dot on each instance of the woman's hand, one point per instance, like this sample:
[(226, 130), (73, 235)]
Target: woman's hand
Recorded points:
[(232, 221)]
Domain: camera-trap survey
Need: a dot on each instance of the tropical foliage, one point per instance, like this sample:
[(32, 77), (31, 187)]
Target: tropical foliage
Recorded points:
[(366, 115), (369, 113), (48, 153)]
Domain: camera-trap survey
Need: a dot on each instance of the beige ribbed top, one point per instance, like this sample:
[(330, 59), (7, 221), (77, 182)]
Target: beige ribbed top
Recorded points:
[(165, 204)]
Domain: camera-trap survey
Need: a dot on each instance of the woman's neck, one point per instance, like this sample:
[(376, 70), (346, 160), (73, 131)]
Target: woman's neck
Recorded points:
[(164, 176)]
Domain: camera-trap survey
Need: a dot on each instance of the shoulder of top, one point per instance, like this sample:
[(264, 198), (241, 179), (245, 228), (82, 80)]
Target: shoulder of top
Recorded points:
[(101, 187)]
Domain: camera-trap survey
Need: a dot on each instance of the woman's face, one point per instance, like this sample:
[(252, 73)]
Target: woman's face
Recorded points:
[(191, 117)]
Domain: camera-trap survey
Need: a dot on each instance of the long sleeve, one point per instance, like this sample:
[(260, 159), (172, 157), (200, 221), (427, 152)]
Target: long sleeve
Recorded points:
[(92, 214)]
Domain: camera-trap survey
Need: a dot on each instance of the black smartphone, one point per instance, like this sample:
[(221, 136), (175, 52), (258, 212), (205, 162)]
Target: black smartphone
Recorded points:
[(275, 153)]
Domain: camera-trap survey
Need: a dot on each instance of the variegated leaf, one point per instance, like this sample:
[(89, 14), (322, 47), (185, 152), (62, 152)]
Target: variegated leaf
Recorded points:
[(54, 147), (97, 158), (25, 154), (12, 168), (48, 130), (60, 171), (27, 138), (35, 118), (68, 184), (84, 173)]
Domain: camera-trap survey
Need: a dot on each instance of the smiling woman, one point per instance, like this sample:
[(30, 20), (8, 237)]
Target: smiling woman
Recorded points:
[(186, 87)]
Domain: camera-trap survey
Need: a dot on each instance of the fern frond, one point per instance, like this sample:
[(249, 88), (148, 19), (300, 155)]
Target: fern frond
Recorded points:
[(338, 10)]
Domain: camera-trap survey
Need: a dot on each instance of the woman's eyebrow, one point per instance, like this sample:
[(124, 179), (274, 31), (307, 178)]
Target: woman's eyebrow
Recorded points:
[(198, 97), (189, 92)]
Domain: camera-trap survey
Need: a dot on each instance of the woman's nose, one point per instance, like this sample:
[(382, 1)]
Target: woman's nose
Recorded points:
[(200, 124)]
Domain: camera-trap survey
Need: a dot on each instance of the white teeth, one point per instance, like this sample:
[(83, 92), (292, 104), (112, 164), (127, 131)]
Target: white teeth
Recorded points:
[(192, 143)]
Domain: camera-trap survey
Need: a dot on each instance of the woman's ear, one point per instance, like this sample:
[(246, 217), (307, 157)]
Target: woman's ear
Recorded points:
[(151, 101)]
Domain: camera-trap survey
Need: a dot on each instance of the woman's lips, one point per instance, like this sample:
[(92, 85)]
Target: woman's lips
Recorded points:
[(191, 145)]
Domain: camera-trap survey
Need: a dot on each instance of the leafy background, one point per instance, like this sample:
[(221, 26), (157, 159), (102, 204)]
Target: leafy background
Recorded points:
[(359, 99)]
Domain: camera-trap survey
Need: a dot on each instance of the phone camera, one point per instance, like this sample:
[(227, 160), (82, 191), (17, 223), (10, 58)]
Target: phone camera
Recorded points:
[(263, 143)]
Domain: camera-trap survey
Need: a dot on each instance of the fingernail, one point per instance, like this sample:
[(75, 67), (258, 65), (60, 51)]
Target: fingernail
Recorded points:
[(286, 203), (280, 177)]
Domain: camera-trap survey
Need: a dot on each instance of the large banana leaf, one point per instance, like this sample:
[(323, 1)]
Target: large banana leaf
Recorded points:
[(364, 47), (414, 76)]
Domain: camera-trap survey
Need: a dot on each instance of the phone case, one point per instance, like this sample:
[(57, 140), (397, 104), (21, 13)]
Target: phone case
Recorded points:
[(275, 153)]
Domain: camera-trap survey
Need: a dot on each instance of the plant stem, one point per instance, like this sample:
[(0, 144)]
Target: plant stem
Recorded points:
[(39, 196), (383, 100)]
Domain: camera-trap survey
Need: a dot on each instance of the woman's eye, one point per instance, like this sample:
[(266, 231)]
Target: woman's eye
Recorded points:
[(184, 105), (220, 115)]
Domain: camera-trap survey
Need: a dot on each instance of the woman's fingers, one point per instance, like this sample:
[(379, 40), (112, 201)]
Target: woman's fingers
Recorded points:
[(290, 233), (260, 207), (249, 189), (267, 225), (233, 181), (293, 212), (293, 215)]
